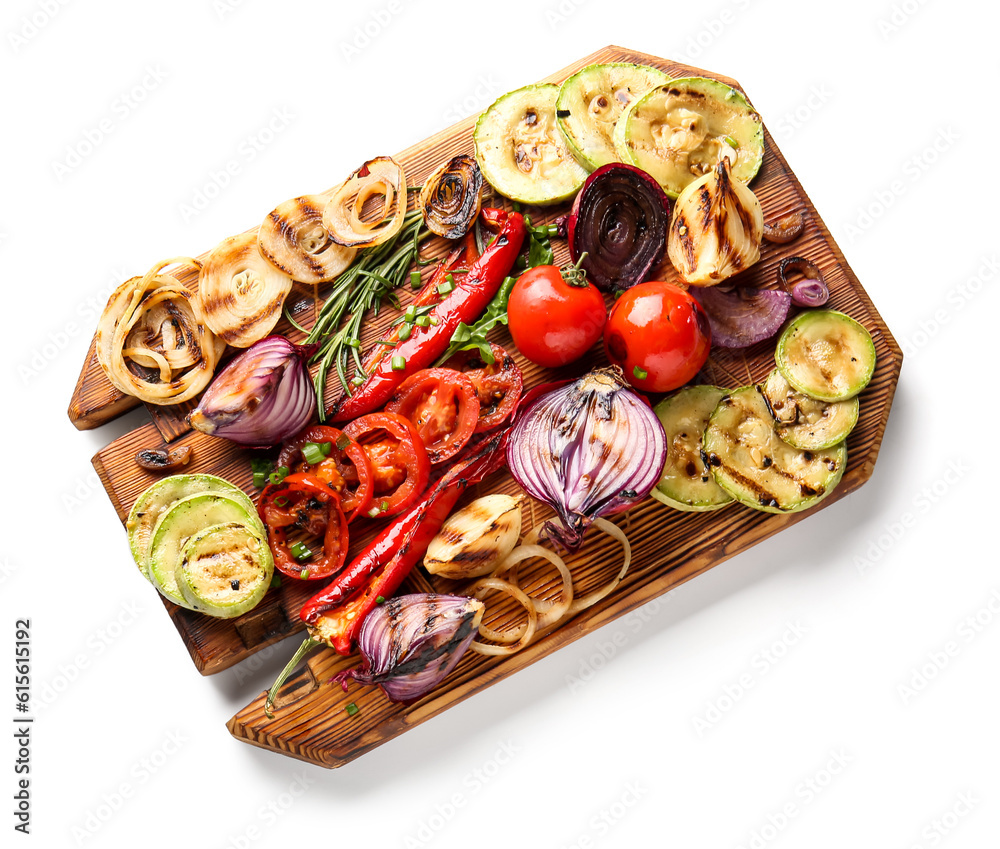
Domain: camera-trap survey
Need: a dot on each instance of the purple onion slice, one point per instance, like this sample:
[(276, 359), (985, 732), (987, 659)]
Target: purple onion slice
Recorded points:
[(743, 316)]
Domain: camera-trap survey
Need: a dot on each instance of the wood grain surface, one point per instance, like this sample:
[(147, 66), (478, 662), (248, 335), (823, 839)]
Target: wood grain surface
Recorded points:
[(669, 547)]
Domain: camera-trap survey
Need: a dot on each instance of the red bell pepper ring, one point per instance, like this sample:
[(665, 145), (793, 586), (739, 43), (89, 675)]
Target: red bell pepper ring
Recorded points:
[(465, 303), (335, 614)]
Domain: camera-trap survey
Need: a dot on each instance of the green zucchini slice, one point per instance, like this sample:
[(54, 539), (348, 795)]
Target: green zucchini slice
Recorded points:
[(522, 152), (678, 132), (826, 355), (183, 520), (163, 494), (224, 569), (758, 468), (591, 102), (804, 422), (687, 482)]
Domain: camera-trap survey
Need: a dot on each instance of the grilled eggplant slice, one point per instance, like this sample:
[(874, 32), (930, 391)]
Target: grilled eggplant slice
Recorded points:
[(827, 355), (758, 468), (804, 422), (687, 482), (521, 151), (591, 102)]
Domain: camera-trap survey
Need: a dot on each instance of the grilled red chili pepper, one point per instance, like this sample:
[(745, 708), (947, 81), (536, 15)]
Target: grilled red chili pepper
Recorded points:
[(425, 344), (304, 501), (335, 614)]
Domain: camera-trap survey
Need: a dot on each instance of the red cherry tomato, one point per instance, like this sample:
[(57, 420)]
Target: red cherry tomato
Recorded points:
[(553, 320), (442, 405), (659, 335)]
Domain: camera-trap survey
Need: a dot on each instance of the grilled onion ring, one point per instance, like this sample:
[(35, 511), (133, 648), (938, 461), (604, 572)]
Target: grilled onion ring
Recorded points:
[(292, 238), (241, 292), (343, 216), (153, 341), (451, 197), (524, 633)]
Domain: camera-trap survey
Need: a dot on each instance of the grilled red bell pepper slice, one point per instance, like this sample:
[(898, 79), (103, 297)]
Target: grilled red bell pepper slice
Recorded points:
[(465, 303), (335, 614)]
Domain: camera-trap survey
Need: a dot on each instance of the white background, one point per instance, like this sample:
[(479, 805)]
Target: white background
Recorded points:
[(764, 703)]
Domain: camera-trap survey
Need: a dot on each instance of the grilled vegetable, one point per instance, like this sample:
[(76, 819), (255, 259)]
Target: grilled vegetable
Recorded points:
[(759, 469), (152, 339), (592, 100), (786, 229), (474, 540), (827, 355), (262, 397), (381, 184), (680, 131), (521, 151), (804, 422), (163, 459), (743, 316), (451, 197), (224, 569), (716, 228), (811, 290), (293, 239), (687, 482), (241, 292)]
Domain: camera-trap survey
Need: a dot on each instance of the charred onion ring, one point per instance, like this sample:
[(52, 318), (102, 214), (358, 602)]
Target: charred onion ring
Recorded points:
[(451, 197), (292, 238), (786, 229), (153, 341), (812, 290), (344, 217)]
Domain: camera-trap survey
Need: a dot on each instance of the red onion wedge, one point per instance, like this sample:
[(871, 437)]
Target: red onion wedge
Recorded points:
[(589, 448), (743, 316), (811, 290), (262, 397)]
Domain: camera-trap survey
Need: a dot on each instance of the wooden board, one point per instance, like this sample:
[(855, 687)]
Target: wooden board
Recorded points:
[(669, 547)]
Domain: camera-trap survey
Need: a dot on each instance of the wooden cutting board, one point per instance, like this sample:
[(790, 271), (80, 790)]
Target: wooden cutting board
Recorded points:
[(669, 547)]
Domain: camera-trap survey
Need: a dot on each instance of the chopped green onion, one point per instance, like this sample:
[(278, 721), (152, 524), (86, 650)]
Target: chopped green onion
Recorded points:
[(300, 551), (313, 453), (640, 373), (343, 441), (404, 332), (351, 709), (423, 321), (380, 599), (353, 342), (275, 581), (357, 381), (410, 314), (373, 513), (281, 501), (398, 363), (384, 506), (261, 468), (304, 574), (415, 280), (279, 474), (434, 320), (447, 286)]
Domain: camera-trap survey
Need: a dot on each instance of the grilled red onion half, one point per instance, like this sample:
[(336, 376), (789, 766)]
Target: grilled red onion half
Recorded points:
[(411, 642), (590, 448), (262, 397), (619, 220), (743, 316)]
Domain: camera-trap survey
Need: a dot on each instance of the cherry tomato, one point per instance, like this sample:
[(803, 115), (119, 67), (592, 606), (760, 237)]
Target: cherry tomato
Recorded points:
[(400, 467), (345, 467), (498, 384), (302, 501), (659, 335), (442, 405), (554, 320)]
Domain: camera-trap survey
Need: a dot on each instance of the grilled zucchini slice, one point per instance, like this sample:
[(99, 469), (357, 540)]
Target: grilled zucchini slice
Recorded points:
[(224, 569), (591, 102), (160, 497), (687, 482), (521, 151), (678, 132), (826, 355), (758, 468), (804, 422)]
